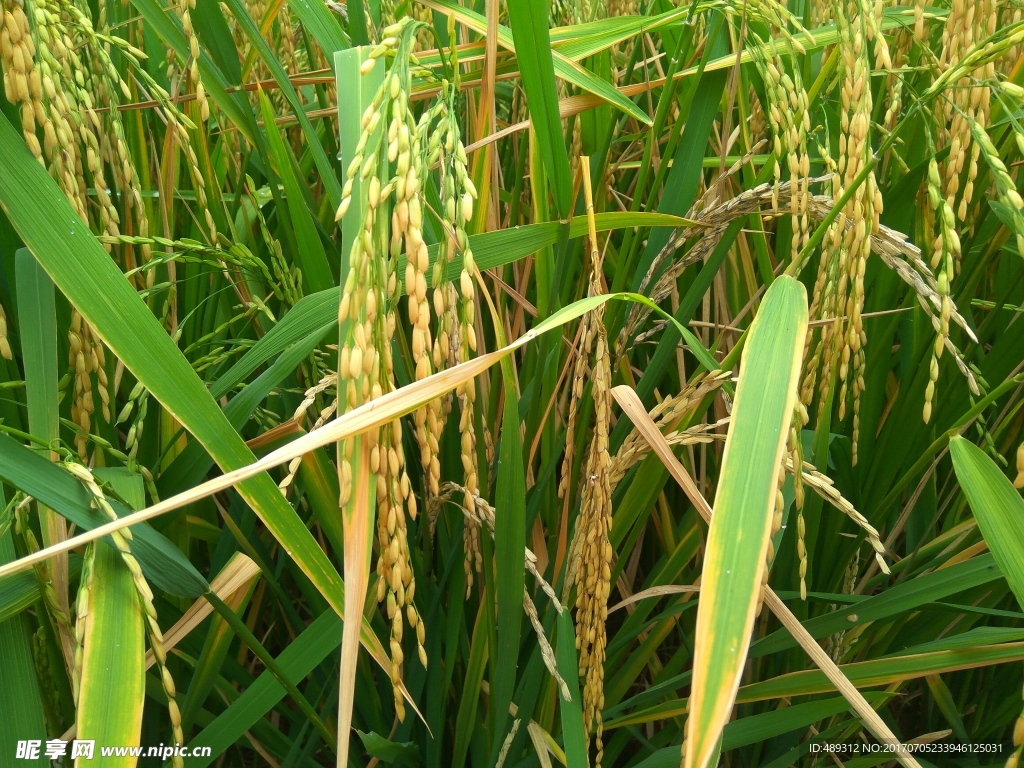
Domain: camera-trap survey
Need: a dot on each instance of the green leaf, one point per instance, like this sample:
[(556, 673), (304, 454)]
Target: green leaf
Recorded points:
[(359, 511), (574, 737), (997, 507), (878, 672), (906, 596), (317, 19), (312, 315), (864, 674), (359, 90), (21, 709), (125, 483), (311, 256), (529, 22), (579, 41), (495, 249), (37, 316), (734, 558), (37, 320), (509, 546), (113, 665), (17, 593), (765, 726), (388, 752)]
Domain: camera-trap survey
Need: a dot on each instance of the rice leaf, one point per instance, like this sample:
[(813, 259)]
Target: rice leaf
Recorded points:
[(740, 527), (21, 708), (310, 256), (997, 507), (113, 673), (529, 22)]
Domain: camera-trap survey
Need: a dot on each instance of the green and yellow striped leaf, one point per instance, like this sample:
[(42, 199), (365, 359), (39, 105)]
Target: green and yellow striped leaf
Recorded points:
[(741, 524), (113, 684)]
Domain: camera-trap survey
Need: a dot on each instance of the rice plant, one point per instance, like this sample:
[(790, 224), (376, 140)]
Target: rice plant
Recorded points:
[(511, 383)]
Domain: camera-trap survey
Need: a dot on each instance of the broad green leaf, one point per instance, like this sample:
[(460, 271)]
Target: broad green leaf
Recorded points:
[(388, 752), (734, 557), (765, 726), (879, 672), (20, 591), (320, 22), (359, 90), (529, 22), (17, 593), (970, 639), (21, 708), (113, 665), (579, 41), (126, 484), (37, 316), (311, 256), (997, 507), (509, 544), (574, 738), (311, 316), (495, 249), (906, 596)]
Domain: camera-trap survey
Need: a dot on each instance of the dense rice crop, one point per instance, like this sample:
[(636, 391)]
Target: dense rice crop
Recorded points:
[(640, 382)]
